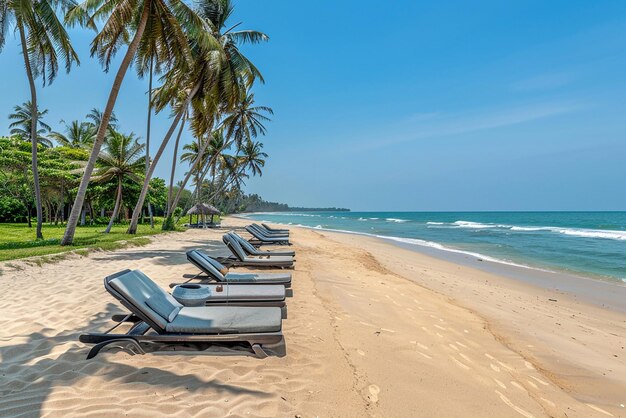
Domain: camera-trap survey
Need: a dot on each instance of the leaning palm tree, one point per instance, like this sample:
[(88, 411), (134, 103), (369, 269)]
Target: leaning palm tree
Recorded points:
[(222, 73), (23, 120), (245, 122), (43, 38), (152, 57), (77, 135), (120, 160), (126, 20), (251, 158)]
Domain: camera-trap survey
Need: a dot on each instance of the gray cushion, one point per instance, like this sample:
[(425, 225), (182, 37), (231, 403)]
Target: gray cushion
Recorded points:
[(242, 292), (262, 237), (137, 290), (165, 305), (226, 319), (260, 277), (234, 247), (207, 264), (249, 248)]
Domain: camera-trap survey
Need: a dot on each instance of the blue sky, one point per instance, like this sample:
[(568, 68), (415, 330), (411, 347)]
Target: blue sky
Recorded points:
[(412, 105)]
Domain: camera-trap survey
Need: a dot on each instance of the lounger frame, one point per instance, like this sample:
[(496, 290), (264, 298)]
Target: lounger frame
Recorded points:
[(236, 260), (210, 278), (137, 339)]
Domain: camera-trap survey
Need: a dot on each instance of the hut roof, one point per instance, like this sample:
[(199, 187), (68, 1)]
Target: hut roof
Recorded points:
[(203, 208)]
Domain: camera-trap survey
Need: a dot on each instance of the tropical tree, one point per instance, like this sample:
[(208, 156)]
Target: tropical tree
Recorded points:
[(245, 122), (194, 157), (22, 124), (77, 135), (95, 119), (126, 20), (120, 160), (251, 158), (43, 38), (223, 75)]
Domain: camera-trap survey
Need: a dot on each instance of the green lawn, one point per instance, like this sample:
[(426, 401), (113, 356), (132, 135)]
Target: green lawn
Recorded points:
[(18, 240)]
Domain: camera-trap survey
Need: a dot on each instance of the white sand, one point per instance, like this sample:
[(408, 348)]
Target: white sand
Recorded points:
[(372, 330)]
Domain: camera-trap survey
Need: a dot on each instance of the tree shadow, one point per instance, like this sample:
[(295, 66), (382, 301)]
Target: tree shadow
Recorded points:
[(167, 257), (38, 364)]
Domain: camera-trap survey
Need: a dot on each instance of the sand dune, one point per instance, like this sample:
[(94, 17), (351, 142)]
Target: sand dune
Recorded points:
[(363, 337)]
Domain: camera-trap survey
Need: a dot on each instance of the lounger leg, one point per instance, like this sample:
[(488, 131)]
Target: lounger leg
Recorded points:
[(258, 350), (129, 345)]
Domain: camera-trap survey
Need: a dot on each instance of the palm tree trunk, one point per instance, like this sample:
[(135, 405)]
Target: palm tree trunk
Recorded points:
[(68, 237), (33, 129), (189, 173), (170, 209), (116, 209), (132, 228), (191, 170), (148, 134)]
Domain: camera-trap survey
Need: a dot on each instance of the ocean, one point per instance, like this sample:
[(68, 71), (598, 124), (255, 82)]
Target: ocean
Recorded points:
[(590, 244)]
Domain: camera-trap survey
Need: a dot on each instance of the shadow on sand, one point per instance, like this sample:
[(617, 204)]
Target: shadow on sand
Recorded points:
[(38, 364)]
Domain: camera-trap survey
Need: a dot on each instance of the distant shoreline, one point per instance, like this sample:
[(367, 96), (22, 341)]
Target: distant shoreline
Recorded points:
[(602, 292)]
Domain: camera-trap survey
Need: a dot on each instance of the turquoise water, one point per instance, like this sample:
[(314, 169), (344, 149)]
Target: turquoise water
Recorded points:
[(584, 243)]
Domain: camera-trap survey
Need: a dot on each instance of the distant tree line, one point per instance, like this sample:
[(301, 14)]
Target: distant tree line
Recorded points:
[(254, 203), (203, 80)]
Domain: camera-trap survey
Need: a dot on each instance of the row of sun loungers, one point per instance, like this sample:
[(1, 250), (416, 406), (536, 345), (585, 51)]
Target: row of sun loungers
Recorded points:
[(241, 310), (263, 236)]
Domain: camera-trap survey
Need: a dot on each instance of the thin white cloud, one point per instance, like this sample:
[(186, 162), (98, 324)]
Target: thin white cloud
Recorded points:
[(543, 82), (451, 125)]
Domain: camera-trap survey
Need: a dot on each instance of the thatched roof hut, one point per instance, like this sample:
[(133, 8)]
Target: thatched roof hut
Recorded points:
[(204, 209)]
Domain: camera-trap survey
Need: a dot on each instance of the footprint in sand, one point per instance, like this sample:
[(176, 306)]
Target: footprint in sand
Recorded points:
[(374, 391)]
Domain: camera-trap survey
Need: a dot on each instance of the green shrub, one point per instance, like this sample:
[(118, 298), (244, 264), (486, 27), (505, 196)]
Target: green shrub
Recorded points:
[(11, 210)]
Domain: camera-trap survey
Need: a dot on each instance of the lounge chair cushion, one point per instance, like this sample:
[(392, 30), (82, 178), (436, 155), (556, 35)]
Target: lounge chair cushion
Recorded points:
[(225, 319), (259, 277), (206, 263), (165, 305), (136, 290)]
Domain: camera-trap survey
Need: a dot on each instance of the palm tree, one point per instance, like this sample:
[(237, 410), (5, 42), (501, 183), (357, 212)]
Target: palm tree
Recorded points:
[(252, 158), (245, 122), (120, 159), (95, 119), (126, 20), (222, 74), (152, 55), (170, 189), (195, 158), (43, 38), (77, 135), (23, 120)]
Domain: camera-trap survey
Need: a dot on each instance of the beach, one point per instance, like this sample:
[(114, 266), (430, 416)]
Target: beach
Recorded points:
[(372, 329)]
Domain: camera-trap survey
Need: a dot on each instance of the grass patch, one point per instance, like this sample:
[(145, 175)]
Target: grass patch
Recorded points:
[(18, 241)]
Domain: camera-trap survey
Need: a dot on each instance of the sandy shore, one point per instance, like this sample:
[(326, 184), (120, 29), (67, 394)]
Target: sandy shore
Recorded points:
[(372, 330)]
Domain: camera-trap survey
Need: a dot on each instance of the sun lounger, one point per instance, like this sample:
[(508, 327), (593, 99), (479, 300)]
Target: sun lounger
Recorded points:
[(270, 229), (215, 294), (240, 258), (252, 250), (261, 239), (160, 323), (216, 271), (265, 232)]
